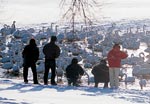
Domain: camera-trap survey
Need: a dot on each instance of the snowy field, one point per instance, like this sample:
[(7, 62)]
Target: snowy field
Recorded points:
[(13, 91), (34, 21)]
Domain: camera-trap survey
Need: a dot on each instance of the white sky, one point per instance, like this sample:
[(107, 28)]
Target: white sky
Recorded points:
[(38, 11)]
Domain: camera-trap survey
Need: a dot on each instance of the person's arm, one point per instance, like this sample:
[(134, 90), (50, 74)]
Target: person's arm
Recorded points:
[(24, 51), (93, 71), (105, 69), (57, 52), (123, 55), (44, 50), (68, 71), (81, 71), (37, 54)]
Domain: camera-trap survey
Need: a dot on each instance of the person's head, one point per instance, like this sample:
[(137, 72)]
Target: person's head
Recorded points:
[(53, 38), (32, 42), (103, 61), (116, 46), (74, 61)]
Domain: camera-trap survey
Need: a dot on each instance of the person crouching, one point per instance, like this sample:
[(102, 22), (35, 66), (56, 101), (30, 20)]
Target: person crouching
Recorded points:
[(101, 73), (73, 72)]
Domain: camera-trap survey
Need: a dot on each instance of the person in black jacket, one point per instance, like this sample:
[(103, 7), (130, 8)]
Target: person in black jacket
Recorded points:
[(101, 73), (51, 52), (73, 72), (30, 56)]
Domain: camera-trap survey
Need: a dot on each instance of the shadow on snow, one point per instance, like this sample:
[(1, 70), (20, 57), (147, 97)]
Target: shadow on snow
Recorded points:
[(131, 95)]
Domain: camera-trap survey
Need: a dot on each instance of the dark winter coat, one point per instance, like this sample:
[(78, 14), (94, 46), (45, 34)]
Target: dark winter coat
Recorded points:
[(101, 73), (30, 55), (74, 71), (51, 51)]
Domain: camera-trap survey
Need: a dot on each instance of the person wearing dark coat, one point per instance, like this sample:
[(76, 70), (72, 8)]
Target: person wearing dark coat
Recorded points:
[(30, 56), (51, 52), (101, 73), (73, 72)]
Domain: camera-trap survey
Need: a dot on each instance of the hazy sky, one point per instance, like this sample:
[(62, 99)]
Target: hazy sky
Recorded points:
[(29, 11), (38, 11)]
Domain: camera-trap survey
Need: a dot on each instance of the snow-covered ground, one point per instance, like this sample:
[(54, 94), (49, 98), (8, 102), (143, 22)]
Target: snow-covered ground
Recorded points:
[(13, 91)]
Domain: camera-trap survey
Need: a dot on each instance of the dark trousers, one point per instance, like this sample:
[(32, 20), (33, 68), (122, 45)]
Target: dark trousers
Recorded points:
[(50, 64), (72, 81), (25, 73)]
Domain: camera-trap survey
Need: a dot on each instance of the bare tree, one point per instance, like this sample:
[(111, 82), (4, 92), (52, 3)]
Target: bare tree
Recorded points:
[(79, 11)]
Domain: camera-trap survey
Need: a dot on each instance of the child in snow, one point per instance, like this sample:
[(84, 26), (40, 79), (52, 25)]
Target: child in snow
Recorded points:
[(73, 72)]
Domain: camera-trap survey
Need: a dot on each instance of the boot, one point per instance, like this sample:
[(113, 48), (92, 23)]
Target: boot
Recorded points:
[(96, 85), (106, 85), (53, 83)]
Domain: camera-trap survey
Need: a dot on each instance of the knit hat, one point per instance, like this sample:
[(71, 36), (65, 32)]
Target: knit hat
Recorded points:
[(74, 61), (103, 61), (53, 38), (116, 45)]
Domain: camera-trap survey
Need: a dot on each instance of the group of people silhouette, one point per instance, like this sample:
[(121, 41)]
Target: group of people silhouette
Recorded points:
[(30, 57), (102, 71)]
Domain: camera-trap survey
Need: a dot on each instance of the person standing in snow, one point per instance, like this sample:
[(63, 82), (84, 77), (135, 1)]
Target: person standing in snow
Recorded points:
[(114, 57), (30, 56), (73, 72), (51, 52), (101, 73)]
